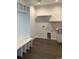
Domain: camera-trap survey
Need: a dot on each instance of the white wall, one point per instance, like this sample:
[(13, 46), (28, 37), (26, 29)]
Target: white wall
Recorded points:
[(37, 27), (54, 10), (56, 13), (49, 27), (44, 10), (32, 21)]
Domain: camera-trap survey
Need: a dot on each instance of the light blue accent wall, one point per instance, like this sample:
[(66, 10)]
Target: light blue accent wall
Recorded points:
[(19, 24), (23, 24), (26, 23)]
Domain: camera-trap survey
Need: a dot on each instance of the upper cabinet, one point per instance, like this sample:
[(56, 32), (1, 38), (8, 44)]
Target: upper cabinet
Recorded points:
[(54, 10), (56, 14), (22, 7), (42, 18)]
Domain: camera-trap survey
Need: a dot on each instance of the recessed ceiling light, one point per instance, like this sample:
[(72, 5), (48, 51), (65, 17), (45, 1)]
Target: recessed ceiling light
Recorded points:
[(56, 0), (39, 2)]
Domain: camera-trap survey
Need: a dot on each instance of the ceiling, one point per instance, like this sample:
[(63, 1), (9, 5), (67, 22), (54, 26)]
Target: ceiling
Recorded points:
[(43, 2)]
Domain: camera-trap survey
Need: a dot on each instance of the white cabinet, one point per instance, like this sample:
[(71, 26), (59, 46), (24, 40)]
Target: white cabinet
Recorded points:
[(55, 18), (23, 46), (59, 37), (23, 28), (56, 14), (20, 52), (22, 7)]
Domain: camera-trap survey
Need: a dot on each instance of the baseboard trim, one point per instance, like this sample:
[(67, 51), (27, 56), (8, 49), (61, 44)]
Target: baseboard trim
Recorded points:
[(40, 38), (59, 43), (44, 39)]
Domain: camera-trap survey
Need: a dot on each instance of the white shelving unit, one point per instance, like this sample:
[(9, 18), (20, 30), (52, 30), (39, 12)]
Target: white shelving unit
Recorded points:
[(24, 41)]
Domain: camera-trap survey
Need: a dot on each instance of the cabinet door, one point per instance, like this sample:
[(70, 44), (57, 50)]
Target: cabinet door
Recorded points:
[(59, 37)]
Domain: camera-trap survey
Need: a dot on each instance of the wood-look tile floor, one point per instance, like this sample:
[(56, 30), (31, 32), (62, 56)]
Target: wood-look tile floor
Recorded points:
[(44, 49)]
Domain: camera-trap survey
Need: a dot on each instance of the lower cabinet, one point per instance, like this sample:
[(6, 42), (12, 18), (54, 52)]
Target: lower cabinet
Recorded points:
[(59, 38), (24, 49), (20, 52)]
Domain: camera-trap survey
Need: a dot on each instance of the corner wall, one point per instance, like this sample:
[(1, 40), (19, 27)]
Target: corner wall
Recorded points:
[(32, 21), (37, 28)]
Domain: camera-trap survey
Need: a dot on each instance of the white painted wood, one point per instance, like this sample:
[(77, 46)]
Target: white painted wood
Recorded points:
[(22, 6), (23, 42), (59, 37), (22, 37), (31, 43), (20, 52), (23, 46), (24, 49), (28, 45)]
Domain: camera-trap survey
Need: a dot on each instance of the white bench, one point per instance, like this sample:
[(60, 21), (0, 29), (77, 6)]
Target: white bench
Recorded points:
[(23, 45)]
